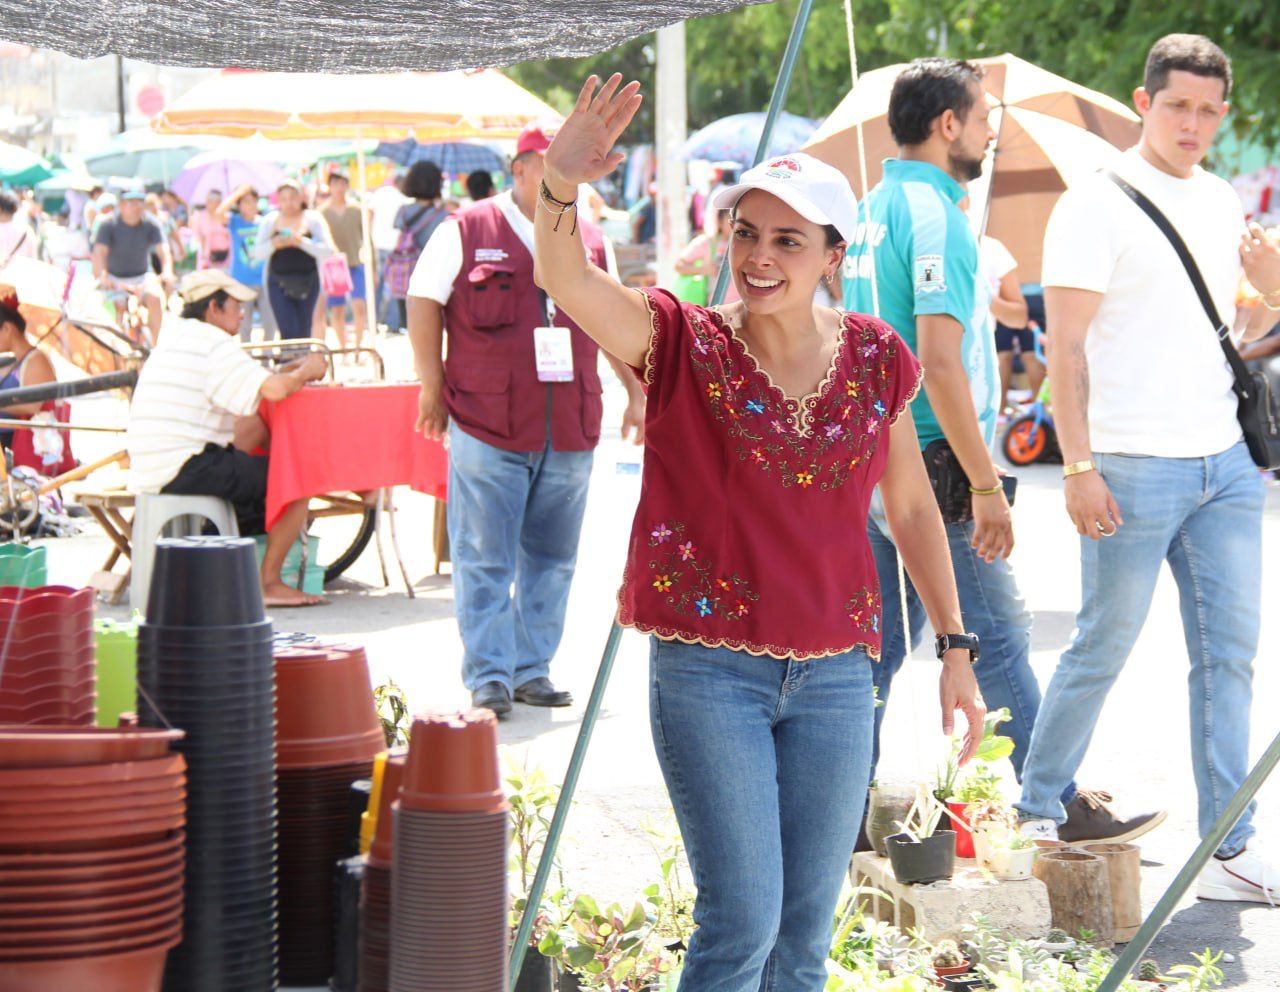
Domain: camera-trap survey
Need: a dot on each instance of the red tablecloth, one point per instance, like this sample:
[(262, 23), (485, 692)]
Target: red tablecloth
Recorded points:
[(359, 437)]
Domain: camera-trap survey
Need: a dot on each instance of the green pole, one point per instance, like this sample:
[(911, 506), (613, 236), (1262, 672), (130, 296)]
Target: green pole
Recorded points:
[(592, 713), (1137, 947), (780, 88)]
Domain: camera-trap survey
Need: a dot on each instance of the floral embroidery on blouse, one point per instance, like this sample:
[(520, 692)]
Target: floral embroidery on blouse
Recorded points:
[(813, 443), (691, 586), (864, 610)]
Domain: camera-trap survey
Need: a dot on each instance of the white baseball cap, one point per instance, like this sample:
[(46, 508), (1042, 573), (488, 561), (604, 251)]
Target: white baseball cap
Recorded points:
[(816, 191)]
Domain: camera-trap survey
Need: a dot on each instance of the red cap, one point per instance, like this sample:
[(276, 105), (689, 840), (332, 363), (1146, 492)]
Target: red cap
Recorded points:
[(536, 137)]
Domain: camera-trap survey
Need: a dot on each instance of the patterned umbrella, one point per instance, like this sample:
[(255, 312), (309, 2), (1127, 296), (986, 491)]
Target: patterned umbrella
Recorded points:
[(734, 138), (454, 157)]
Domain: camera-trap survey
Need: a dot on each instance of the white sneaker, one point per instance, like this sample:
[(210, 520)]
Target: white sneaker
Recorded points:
[(1038, 829), (1248, 877)]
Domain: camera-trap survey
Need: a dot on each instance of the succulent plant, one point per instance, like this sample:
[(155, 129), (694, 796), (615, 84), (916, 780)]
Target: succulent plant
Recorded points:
[(1058, 936), (946, 954), (1149, 970)]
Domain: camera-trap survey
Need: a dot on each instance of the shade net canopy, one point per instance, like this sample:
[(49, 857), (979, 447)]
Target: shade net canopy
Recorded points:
[(337, 36)]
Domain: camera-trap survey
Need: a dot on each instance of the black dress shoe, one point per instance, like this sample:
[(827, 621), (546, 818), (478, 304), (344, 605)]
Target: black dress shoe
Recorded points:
[(492, 696), (540, 692)]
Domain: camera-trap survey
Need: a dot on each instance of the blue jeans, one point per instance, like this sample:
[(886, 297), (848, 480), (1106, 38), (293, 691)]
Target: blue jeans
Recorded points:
[(514, 518), (293, 317), (766, 762), (991, 607), (1204, 517)]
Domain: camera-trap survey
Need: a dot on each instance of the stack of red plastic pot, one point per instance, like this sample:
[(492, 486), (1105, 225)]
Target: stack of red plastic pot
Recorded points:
[(47, 670), (449, 859), (375, 889), (91, 858), (327, 735)]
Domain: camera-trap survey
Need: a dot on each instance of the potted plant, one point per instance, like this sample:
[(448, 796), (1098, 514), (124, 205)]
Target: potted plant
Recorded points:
[(607, 949), (533, 800), (970, 981), (920, 852), (1149, 971), (887, 805), (946, 959), (1007, 854), (1057, 942), (982, 783)]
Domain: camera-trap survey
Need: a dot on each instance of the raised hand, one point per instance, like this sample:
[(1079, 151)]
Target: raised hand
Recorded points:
[(582, 150)]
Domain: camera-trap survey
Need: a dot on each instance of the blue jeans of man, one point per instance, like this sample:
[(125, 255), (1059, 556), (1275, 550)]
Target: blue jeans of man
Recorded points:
[(766, 762), (991, 607), (514, 520), (1204, 517)]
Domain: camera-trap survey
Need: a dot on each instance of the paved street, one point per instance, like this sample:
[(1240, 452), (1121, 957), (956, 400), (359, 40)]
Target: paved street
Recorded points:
[(1141, 752)]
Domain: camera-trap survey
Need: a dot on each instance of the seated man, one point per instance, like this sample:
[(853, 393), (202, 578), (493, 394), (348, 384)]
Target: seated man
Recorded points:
[(122, 247), (193, 394)]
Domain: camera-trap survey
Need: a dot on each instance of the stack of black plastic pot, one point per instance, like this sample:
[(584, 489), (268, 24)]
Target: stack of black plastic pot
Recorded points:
[(205, 665)]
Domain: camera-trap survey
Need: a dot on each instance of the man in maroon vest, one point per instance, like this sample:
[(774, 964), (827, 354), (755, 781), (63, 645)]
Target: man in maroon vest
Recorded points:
[(520, 400)]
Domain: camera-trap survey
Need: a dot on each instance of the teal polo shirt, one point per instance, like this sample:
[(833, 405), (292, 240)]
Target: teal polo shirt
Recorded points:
[(926, 262)]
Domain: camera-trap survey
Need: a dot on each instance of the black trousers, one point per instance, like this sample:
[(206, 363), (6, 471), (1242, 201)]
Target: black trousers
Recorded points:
[(229, 474)]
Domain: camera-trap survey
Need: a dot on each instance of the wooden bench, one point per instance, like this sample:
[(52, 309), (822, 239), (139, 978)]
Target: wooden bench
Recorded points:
[(108, 506)]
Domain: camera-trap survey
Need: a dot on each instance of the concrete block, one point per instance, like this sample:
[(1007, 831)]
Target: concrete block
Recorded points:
[(941, 910)]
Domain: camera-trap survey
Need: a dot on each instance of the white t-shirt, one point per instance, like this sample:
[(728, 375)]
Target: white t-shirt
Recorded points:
[(194, 385), (1158, 382), (995, 261), (385, 202), (441, 260), (17, 240)]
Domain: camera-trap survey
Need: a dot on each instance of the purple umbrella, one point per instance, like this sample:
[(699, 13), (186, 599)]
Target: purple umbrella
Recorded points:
[(224, 171)]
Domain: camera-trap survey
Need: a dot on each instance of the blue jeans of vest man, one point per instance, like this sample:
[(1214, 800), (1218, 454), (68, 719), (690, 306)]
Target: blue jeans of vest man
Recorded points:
[(514, 520)]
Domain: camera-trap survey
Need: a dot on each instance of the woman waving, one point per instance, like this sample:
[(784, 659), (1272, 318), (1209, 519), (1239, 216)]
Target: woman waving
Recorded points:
[(769, 423)]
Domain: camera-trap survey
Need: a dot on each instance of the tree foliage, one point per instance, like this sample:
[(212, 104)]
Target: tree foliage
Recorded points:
[(732, 58)]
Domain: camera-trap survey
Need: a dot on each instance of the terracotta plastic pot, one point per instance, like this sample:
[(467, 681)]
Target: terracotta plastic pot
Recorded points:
[(115, 772), (327, 714), (88, 874), (22, 674), (59, 818), (121, 856), (453, 764), (93, 797), (106, 835), (389, 792), (162, 916), (140, 970), (82, 746), (53, 896), (167, 938)]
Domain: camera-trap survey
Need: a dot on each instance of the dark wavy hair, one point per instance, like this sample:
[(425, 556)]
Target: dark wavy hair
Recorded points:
[(1192, 53), (423, 181), (926, 88), (11, 315), (200, 308)]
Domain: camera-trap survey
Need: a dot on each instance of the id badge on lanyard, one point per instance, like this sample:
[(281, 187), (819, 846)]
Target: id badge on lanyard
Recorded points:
[(553, 348)]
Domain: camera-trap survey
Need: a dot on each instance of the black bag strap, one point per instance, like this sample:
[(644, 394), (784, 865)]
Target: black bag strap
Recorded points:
[(1223, 333)]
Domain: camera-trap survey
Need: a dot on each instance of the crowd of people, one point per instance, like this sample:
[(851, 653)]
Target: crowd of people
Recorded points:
[(796, 453)]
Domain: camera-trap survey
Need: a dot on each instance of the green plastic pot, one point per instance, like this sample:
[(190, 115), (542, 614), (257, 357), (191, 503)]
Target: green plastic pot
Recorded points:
[(117, 646)]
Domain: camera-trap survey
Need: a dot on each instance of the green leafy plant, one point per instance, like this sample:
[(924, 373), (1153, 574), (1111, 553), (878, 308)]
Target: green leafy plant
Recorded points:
[(993, 747), (923, 817), (1148, 970), (671, 898), (1201, 976), (533, 800), (393, 713), (608, 949), (980, 784)]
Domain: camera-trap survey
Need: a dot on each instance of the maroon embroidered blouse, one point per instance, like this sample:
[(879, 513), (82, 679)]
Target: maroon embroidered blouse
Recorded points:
[(751, 531)]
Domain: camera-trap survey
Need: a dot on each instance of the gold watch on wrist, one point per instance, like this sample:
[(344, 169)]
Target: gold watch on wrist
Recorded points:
[(1077, 468)]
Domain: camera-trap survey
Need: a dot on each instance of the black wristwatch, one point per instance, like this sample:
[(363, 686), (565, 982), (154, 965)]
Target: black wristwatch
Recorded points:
[(949, 642)]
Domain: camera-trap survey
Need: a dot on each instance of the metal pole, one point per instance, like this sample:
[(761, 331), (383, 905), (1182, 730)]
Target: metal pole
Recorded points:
[(536, 890), (671, 115), (120, 115), (776, 102), (65, 390), (1137, 947), (366, 255)]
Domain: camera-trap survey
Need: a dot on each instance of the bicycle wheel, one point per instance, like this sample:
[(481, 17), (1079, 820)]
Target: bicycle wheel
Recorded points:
[(344, 524), (19, 507), (1025, 440)]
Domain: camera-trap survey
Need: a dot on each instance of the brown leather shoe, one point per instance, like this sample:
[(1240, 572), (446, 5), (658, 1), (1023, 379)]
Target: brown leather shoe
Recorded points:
[(1091, 820)]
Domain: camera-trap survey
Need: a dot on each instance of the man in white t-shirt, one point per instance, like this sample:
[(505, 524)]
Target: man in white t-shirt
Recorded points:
[(1010, 317), (1155, 465), (197, 394)]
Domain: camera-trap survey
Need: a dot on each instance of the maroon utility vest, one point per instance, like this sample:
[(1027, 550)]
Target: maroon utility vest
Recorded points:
[(491, 384)]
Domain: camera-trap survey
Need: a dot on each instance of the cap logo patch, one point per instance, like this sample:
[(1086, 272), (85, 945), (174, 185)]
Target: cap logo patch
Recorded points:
[(782, 168)]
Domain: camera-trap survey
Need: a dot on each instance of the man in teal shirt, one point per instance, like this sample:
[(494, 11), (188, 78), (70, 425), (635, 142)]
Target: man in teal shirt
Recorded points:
[(914, 263)]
